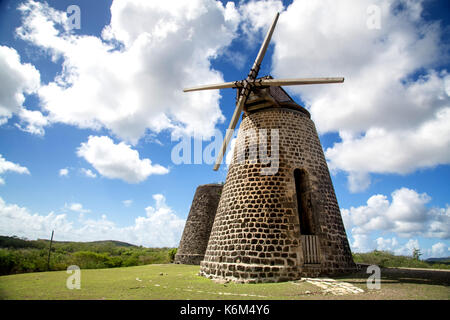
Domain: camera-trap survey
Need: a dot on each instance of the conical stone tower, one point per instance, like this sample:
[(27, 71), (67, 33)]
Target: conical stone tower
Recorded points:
[(198, 224), (280, 226)]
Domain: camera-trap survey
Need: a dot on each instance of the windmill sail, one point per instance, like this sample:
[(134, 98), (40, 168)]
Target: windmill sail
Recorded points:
[(244, 93), (245, 86), (214, 86)]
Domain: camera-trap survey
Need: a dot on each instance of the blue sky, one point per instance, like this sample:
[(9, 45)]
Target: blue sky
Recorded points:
[(89, 117)]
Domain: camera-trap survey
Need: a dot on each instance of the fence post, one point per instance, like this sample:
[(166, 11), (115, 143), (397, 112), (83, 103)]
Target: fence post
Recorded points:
[(49, 250)]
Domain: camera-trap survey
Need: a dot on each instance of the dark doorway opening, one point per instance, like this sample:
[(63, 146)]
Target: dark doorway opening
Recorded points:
[(304, 205)]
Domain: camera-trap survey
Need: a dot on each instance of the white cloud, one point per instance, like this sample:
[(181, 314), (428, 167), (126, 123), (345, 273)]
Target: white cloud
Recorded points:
[(131, 79), (230, 152), (440, 249), (392, 151), (406, 215), (64, 172), (440, 224), (390, 120), (160, 227), (117, 161), (88, 173), (386, 244), (437, 250), (77, 207), (8, 166), (16, 220), (409, 247), (32, 122), (17, 79), (127, 203), (357, 180), (257, 16), (361, 243)]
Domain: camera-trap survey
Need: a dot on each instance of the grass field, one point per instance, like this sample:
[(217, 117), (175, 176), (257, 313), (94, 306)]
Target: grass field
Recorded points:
[(171, 281)]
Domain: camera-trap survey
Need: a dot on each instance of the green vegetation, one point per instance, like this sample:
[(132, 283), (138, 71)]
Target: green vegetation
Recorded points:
[(20, 255), (386, 259), (416, 254), (172, 253)]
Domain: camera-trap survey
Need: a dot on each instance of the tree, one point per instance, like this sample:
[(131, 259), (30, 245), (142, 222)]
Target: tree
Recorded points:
[(172, 253), (416, 254)]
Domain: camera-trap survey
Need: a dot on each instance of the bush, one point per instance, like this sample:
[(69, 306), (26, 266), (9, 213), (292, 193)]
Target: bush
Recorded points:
[(172, 253), (7, 261), (91, 260), (387, 259)]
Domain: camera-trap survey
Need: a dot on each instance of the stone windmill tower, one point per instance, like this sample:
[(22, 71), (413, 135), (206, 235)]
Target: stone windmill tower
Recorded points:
[(198, 224), (282, 222)]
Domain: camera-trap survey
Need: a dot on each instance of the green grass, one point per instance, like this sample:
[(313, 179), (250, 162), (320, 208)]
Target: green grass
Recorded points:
[(182, 282)]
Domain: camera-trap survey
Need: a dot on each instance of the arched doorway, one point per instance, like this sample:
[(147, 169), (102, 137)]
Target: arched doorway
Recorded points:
[(304, 206), (308, 237)]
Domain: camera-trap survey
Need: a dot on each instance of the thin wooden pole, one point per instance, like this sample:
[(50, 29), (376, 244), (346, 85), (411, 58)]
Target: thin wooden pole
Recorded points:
[(49, 250)]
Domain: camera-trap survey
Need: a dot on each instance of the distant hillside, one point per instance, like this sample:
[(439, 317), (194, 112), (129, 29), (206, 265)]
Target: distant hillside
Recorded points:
[(21, 255), (445, 260), (16, 243), (114, 242)]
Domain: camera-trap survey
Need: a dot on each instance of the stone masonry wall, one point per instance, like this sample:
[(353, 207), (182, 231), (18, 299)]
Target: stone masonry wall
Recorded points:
[(198, 224), (256, 233)]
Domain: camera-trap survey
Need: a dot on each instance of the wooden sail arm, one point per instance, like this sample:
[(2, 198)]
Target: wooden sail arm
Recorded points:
[(295, 82), (234, 84), (263, 82)]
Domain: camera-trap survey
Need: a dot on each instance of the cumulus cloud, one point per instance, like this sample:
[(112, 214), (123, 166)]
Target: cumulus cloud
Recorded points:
[(440, 249), (440, 225), (117, 161), (407, 215), (392, 151), (361, 243), (64, 172), (17, 79), (394, 246), (159, 227), (77, 207), (130, 79), (127, 203), (32, 122), (393, 110), (257, 16), (386, 244), (408, 248), (88, 173), (8, 166), (230, 152), (437, 250)]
